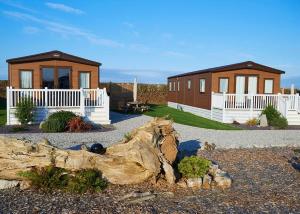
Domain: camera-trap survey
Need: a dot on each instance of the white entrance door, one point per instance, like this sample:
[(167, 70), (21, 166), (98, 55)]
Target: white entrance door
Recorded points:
[(240, 89), (252, 85)]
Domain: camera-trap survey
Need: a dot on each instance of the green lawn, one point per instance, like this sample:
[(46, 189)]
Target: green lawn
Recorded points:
[(187, 118), (2, 112)]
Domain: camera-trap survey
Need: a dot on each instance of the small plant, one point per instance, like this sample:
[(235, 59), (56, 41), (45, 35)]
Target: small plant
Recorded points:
[(279, 123), (193, 167), (25, 110), (76, 124), (51, 177), (252, 122), (127, 136), (58, 121), (271, 113)]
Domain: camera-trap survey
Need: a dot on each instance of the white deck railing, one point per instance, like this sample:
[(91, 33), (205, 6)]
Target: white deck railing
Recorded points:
[(58, 98), (255, 102)]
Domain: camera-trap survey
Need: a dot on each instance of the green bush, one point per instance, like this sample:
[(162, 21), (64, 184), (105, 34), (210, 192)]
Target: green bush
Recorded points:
[(51, 177), (25, 110), (271, 113), (274, 117), (193, 167), (58, 121), (280, 122)]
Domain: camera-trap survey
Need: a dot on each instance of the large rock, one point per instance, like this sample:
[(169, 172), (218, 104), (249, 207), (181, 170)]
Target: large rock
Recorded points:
[(6, 184), (222, 179), (194, 182), (263, 121), (206, 182)]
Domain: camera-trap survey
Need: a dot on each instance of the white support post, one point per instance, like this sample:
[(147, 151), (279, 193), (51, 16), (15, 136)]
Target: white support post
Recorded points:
[(223, 107), (105, 99), (46, 97), (211, 105), (278, 101), (8, 105), (251, 106), (297, 102), (82, 110), (98, 98)]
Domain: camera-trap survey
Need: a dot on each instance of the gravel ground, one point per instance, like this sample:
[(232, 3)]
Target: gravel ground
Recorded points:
[(190, 137), (263, 182)]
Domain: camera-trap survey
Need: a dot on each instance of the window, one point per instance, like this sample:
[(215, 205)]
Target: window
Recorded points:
[(223, 85), (26, 79), (64, 78), (178, 86), (252, 85), (202, 85), (84, 80), (268, 86), (189, 84), (170, 86), (174, 86)]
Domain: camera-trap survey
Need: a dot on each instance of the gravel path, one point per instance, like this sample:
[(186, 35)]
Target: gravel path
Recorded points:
[(190, 137), (263, 182)]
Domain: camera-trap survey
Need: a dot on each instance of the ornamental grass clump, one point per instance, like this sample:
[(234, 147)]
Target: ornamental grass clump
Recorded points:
[(50, 178), (25, 110), (194, 167), (274, 117)]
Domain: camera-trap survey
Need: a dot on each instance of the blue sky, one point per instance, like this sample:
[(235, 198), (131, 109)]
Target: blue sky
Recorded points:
[(153, 39)]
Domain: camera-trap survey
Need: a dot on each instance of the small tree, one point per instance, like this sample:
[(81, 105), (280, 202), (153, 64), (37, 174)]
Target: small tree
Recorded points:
[(25, 111)]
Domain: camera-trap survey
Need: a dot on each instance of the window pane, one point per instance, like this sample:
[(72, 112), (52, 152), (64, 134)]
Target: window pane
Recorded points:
[(26, 79), (174, 86), (252, 85), (170, 86), (189, 84), (268, 86), (48, 77), (202, 85), (84, 80), (178, 86), (64, 78), (223, 85)]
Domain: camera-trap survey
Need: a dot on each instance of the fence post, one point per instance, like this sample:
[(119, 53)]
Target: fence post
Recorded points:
[(7, 105), (46, 97), (296, 102), (251, 106), (82, 110), (278, 101), (98, 97), (105, 100), (223, 107), (211, 105)]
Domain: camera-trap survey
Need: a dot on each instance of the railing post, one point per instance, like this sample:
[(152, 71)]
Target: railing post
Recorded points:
[(251, 106), (46, 97), (223, 107), (8, 105), (105, 101), (82, 110), (98, 97), (278, 101), (211, 105)]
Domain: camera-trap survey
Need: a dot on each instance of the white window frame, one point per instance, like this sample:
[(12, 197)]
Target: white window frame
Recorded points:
[(170, 86), (30, 79), (178, 86), (202, 85), (174, 86), (189, 84), (220, 88), (268, 90)]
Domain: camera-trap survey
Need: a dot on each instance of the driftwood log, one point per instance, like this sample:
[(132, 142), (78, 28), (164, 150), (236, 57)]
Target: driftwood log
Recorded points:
[(150, 152)]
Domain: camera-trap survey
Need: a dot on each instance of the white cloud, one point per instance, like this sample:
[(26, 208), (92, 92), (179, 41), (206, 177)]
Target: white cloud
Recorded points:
[(31, 30), (64, 8), (17, 5), (174, 54), (64, 30)]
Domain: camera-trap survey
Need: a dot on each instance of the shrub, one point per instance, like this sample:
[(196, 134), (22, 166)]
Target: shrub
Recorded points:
[(193, 167), (76, 124), (51, 177), (252, 122), (58, 121), (280, 122), (25, 110), (271, 113)]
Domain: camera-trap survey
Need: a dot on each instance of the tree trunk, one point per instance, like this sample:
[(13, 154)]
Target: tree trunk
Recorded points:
[(125, 163)]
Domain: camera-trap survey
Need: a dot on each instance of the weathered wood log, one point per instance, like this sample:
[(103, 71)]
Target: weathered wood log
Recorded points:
[(123, 163)]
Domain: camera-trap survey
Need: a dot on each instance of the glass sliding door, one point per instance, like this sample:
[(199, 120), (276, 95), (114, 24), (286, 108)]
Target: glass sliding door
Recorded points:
[(252, 85), (48, 78), (240, 89), (63, 78)]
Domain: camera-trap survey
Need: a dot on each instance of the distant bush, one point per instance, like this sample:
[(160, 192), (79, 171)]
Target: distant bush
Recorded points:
[(77, 124), (193, 167), (49, 178), (279, 123), (252, 122), (25, 110), (274, 117), (58, 121)]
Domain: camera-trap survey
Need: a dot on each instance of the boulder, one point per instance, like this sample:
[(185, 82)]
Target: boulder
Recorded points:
[(194, 182), (182, 184), (6, 184), (222, 180), (206, 182), (263, 121)]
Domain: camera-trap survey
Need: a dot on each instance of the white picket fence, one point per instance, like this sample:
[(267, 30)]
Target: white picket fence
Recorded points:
[(80, 100), (256, 102)]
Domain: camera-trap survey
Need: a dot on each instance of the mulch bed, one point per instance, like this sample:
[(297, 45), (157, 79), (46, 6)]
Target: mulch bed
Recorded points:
[(9, 129), (263, 181)]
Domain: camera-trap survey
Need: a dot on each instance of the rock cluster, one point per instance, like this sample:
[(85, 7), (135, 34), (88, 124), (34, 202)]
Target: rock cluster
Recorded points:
[(214, 178)]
